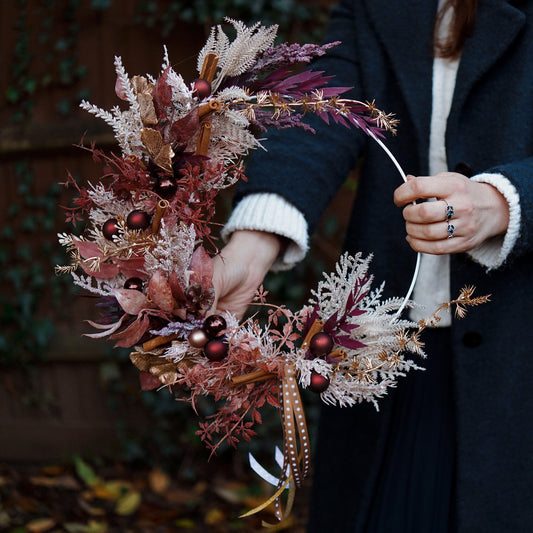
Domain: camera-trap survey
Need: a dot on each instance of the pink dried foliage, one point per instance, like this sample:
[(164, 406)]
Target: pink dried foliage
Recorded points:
[(160, 292), (202, 267), (133, 333), (131, 301), (120, 90)]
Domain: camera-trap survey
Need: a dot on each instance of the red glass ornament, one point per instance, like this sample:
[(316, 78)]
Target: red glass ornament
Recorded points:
[(166, 187), (214, 325), (319, 383), (216, 349), (201, 87), (135, 284), (198, 338), (321, 344), (138, 219), (110, 228)]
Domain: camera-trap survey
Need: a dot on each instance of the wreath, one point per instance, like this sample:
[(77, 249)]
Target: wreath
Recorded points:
[(147, 252)]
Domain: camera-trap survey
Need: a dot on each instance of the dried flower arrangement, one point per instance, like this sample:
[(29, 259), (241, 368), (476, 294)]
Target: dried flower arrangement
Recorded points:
[(150, 228)]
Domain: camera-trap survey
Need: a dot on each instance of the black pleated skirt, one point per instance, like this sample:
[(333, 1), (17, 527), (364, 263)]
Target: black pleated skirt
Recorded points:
[(391, 471)]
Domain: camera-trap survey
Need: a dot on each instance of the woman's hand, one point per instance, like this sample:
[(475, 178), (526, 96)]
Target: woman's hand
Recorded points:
[(241, 267), (479, 212)]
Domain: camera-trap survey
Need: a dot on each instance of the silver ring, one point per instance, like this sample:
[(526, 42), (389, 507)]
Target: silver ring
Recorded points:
[(450, 211), (451, 230)]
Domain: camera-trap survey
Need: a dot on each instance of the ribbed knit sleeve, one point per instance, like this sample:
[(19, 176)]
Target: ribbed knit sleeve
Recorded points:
[(272, 213), (493, 252)]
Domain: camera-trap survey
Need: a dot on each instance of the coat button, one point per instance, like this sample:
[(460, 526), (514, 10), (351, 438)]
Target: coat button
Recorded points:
[(472, 339), (464, 169)]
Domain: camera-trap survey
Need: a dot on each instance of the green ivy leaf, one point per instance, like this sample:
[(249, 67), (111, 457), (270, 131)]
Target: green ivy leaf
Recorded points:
[(12, 95)]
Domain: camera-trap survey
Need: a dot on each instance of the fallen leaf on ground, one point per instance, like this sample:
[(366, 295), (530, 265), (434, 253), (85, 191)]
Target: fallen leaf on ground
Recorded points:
[(159, 481), (39, 525), (128, 503)]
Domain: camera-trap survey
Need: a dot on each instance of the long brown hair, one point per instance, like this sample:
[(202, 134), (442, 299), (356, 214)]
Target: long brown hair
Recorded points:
[(461, 27)]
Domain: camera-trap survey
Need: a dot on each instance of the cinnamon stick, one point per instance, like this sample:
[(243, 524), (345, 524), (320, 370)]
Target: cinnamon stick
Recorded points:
[(313, 330), (160, 211), (158, 341), (209, 67), (339, 353), (206, 109), (203, 139), (251, 377)]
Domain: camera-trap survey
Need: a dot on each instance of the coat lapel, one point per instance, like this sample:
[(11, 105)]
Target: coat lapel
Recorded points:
[(405, 28), (497, 26)]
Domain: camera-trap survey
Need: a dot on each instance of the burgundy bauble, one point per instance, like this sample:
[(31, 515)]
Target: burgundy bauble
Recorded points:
[(110, 228), (321, 344), (138, 219), (166, 187), (135, 284), (214, 325), (198, 338), (319, 383), (216, 349), (201, 87)]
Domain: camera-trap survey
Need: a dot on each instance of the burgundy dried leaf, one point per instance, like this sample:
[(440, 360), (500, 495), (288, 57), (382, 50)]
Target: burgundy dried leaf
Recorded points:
[(176, 289), (184, 129), (348, 327), (202, 267), (160, 292), (162, 94), (107, 328), (331, 322), (105, 270), (132, 301), (87, 249), (120, 90), (132, 268), (347, 342), (148, 381), (133, 333), (298, 84)]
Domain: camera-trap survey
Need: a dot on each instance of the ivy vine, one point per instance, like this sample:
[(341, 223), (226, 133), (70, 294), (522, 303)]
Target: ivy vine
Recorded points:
[(297, 19), (28, 250)]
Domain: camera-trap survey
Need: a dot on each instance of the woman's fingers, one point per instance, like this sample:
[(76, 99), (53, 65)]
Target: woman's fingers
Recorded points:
[(455, 214)]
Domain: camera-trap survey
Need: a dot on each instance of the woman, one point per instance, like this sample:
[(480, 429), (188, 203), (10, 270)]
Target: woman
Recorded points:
[(452, 448)]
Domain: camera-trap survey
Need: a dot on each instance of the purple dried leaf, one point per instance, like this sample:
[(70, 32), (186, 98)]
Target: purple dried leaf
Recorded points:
[(348, 342)]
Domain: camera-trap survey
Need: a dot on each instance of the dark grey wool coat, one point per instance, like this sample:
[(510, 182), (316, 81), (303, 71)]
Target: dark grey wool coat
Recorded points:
[(386, 55)]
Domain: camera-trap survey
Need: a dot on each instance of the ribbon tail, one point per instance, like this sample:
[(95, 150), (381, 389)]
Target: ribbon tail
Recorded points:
[(262, 472), (265, 504), (288, 508)]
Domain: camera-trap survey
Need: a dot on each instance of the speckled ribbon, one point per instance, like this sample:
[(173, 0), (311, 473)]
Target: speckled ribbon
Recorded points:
[(296, 448)]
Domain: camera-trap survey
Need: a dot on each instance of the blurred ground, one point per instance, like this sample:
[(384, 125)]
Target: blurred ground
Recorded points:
[(115, 498)]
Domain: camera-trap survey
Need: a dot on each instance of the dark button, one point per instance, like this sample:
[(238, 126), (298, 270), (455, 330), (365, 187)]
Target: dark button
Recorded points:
[(464, 169), (472, 339)]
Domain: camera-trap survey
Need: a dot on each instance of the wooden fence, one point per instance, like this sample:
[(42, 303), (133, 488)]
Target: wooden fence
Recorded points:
[(53, 54)]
